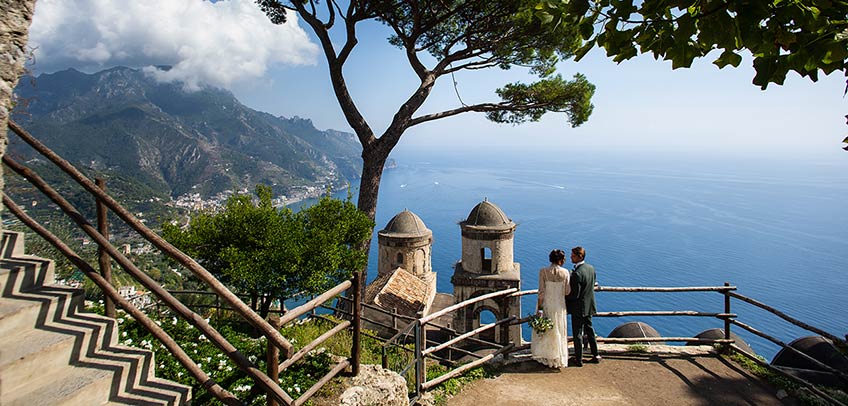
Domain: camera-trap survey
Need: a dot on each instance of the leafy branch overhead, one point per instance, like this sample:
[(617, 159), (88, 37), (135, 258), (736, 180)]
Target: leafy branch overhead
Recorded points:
[(803, 36), (461, 36), (440, 39)]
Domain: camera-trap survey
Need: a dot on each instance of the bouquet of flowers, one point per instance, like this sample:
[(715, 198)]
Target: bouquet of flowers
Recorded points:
[(539, 323)]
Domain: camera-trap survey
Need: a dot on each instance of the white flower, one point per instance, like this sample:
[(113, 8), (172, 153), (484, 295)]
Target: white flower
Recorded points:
[(202, 337), (229, 369), (208, 359), (158, 323), (128, 341), (174, 321), (179, 374), (100, 301), (162, 366), (120, 320), (124, 334)]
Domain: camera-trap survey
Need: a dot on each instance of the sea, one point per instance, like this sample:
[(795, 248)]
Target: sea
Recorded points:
[(773, 225)]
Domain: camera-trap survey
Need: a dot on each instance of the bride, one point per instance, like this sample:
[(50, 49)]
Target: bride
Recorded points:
[(551, 347)]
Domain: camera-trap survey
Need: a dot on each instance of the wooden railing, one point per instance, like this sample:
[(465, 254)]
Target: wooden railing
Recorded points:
[(266, 381), (423, 350)]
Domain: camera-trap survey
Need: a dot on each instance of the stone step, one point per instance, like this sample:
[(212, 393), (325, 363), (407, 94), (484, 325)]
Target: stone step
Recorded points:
[(52, 353), (12, 244), (20, 272), (40, 356), (34, 357), (25, 310), (147, 387), (74, 387)]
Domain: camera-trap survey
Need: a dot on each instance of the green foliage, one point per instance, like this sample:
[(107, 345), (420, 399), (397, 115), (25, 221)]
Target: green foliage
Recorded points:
[(466, 35), (637, 348), (210, 359), (803, 36), (452, 386), (803, 394), (272, 253), (550, 94)]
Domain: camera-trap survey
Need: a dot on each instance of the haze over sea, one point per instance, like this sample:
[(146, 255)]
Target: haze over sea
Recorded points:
[(774, 227)]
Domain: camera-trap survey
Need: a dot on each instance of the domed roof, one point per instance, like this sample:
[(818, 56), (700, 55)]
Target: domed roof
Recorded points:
[(817, 347), (635, 329), (718, 333), (487, 214), (405, 224)]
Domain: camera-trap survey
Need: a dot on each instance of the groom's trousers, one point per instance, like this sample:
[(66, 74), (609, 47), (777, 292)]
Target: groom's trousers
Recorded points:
[(581, 325)]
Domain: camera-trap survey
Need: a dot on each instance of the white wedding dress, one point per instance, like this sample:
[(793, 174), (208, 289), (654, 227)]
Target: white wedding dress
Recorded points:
[(551, 347)]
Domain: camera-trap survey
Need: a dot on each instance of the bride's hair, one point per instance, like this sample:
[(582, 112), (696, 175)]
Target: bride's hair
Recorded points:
[(556, 256)]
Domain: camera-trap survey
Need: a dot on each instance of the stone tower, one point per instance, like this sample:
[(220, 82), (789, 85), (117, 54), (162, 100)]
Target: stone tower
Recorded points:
[(406, 243), (487, 266)]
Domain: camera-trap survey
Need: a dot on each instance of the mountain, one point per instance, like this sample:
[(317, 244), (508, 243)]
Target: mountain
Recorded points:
[(164, 140)]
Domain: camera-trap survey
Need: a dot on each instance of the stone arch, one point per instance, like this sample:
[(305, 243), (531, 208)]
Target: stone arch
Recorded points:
[(492, 334)]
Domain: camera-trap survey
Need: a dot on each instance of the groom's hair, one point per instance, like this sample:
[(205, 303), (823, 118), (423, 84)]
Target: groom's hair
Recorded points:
[(556, 256), (579, 251)]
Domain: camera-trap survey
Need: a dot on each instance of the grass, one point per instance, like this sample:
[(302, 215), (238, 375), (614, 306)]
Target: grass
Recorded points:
[(454, 385), (640, 348), (804, 395)]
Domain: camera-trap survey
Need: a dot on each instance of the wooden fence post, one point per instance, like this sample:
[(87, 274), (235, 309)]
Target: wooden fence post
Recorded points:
[(103, 257), (394, 319), (357, 322), (726, 319), (272, 357), (420, 344)]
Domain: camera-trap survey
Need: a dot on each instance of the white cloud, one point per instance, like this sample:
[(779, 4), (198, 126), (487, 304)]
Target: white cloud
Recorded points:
[(219, 43)]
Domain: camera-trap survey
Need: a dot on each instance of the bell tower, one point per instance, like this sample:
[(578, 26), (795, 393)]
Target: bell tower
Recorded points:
[(487, 266), (407, 243)]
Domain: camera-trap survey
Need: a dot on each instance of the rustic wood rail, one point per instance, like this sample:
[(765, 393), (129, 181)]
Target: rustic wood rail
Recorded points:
[(267, 382), (422, 350), (414, 329)]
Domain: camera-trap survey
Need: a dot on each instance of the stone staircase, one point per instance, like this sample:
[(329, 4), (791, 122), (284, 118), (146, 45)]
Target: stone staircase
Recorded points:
[(53, 353)]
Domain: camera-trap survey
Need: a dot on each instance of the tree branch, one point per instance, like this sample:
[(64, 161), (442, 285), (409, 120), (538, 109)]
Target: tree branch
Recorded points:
[(480, 108), (335, 63)]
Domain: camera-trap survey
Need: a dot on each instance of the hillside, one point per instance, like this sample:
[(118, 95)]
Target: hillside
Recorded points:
[(158, 140)]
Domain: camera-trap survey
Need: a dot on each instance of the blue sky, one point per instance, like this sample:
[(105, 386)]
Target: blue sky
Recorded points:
[(639, 104)]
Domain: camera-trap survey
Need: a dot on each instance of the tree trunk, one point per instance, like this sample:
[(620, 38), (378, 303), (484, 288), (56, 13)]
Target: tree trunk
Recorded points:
[(265, 306), (373, 160), (369, 186)]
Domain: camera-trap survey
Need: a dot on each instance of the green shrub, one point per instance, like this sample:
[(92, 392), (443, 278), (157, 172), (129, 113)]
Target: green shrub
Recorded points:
[(637, 348)]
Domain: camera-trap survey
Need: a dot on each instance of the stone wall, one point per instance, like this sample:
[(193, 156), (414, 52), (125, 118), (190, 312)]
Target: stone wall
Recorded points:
[(15, 19)]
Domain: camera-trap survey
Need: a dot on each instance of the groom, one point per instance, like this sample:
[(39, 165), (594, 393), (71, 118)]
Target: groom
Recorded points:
[(581, 304)]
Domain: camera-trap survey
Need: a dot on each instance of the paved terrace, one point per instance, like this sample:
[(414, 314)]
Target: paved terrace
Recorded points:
[(667, 375)]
